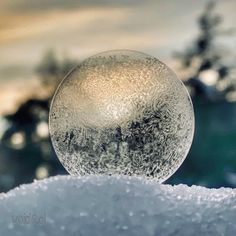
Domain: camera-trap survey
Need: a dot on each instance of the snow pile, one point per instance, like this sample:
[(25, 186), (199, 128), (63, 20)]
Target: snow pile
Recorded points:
[(101, 205)]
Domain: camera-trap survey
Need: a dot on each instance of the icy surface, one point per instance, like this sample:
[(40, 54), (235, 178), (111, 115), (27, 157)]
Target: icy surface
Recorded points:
[(111, 206), (122, 112)]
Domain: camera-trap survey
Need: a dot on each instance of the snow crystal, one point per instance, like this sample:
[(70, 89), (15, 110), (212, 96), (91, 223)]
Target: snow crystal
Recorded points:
[(117, 205)]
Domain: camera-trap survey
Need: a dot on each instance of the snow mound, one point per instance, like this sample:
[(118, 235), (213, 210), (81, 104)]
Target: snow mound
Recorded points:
[(118, 205)]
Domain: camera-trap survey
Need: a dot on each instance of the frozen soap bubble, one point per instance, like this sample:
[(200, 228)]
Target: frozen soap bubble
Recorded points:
[(122, 112)]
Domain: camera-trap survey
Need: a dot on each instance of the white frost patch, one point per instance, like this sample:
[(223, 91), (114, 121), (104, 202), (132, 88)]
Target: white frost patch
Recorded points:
[(101, 205)]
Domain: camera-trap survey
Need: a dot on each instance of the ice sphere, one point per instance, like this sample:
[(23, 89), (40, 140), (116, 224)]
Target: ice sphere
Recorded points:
[(116, 205), (122, 112)]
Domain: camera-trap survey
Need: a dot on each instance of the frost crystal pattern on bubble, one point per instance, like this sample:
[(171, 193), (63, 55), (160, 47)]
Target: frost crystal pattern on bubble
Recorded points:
[(122, 112)]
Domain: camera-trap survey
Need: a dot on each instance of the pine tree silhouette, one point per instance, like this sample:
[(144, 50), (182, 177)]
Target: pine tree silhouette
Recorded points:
[(205, 56)]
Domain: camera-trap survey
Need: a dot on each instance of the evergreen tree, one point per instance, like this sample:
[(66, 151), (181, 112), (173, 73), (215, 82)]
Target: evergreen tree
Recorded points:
[(205, 59), (51, 70)]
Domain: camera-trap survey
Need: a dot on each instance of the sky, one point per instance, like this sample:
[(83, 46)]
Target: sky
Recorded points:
[(78, 29)]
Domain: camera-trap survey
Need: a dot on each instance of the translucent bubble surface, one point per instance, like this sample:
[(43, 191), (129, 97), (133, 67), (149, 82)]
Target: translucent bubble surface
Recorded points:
[(122, 112)]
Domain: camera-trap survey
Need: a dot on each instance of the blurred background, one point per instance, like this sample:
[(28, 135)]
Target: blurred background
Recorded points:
[(40, 41)]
